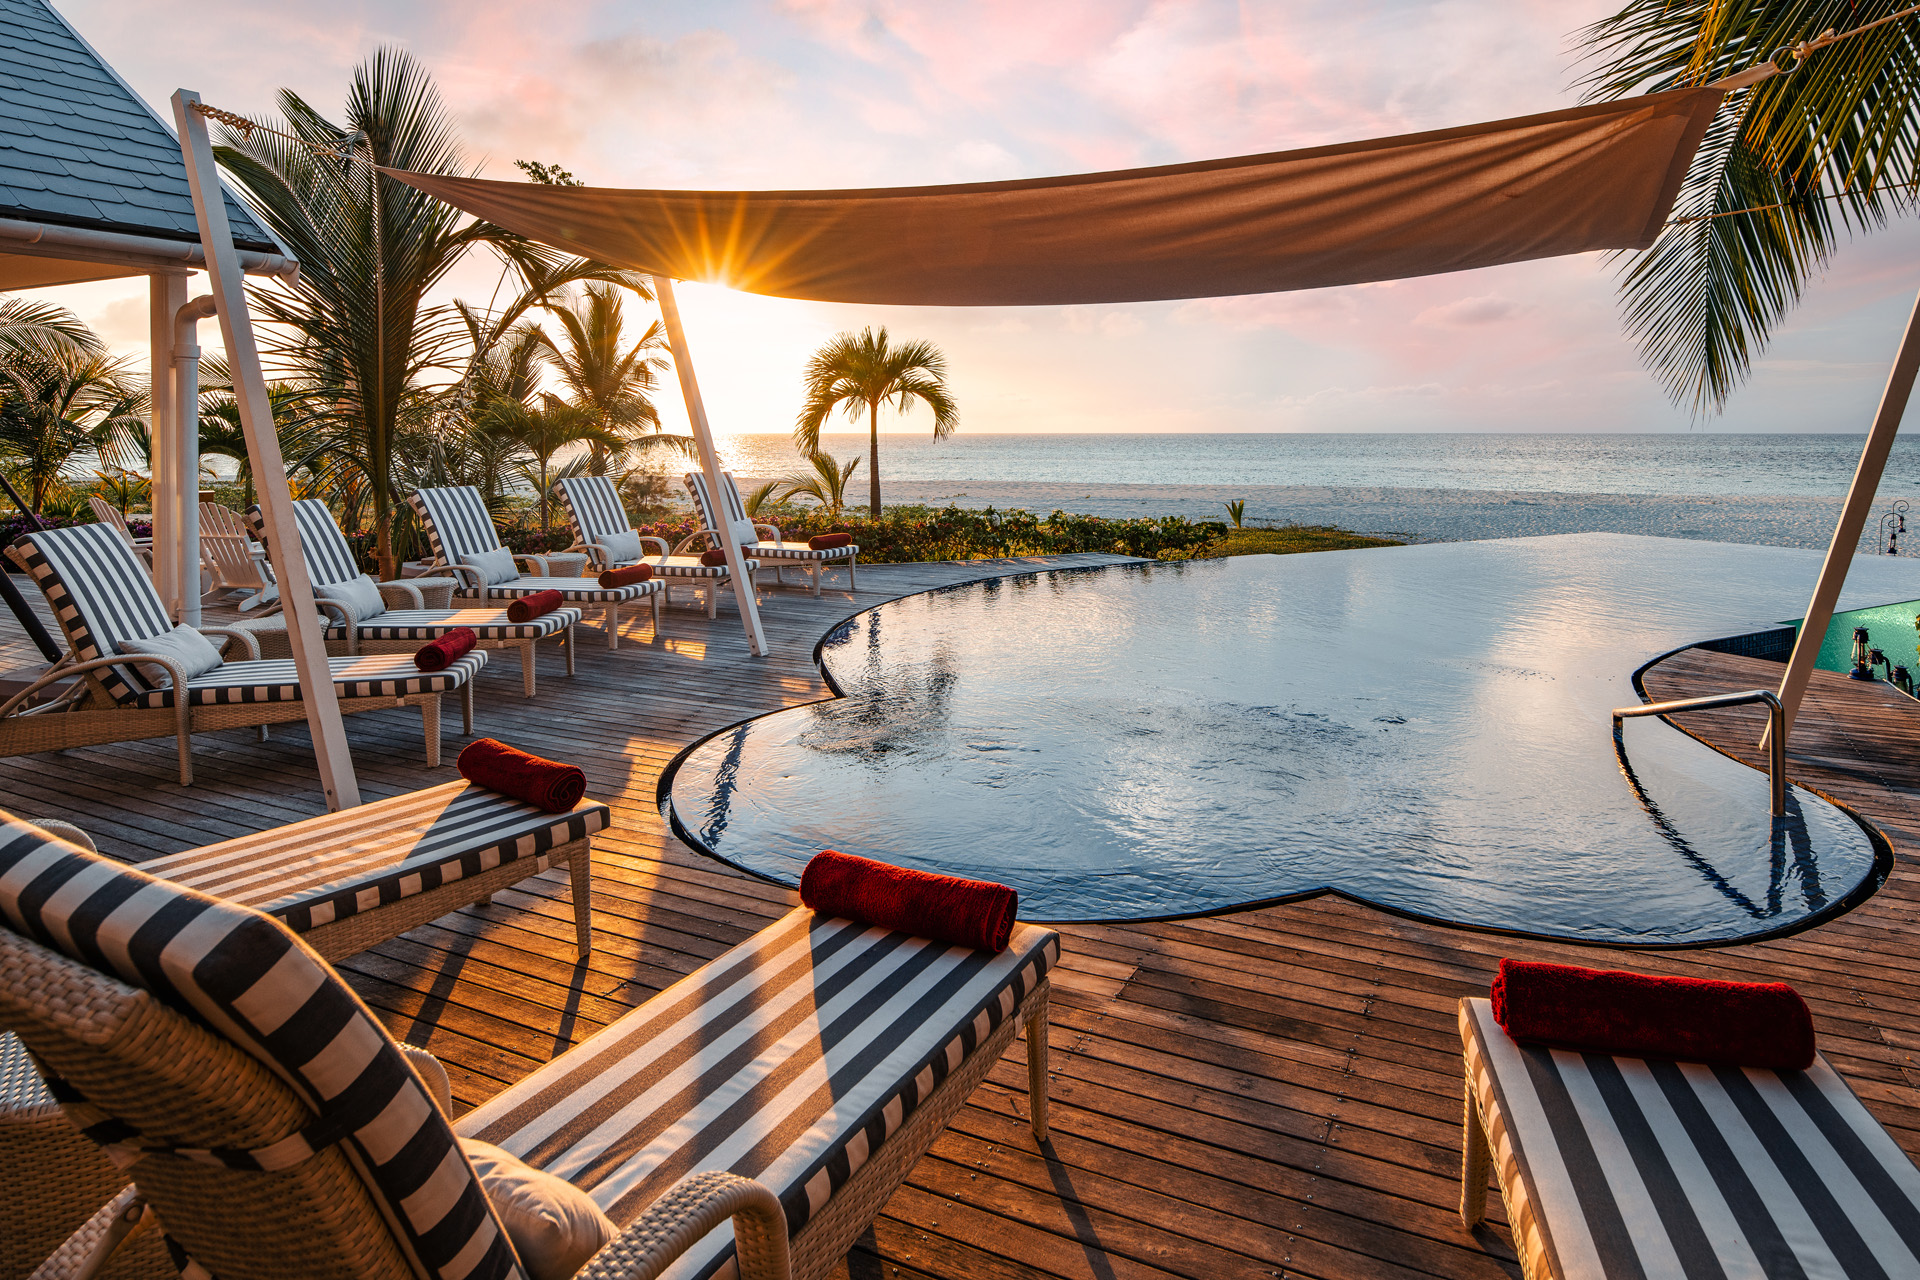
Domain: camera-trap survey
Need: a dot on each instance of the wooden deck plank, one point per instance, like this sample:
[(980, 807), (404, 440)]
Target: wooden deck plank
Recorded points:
[(1262, 1093)]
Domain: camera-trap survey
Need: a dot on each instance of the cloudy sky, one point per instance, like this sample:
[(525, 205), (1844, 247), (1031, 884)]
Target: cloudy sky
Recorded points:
[(844, 93)]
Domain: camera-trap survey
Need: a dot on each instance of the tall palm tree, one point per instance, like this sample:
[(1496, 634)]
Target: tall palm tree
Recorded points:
[(609, 380), (864, 371), (29, 328), (1787, 165), (370, 250), (540, 432)]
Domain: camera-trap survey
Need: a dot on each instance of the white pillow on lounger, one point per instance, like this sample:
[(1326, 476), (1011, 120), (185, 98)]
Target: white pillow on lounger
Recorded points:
[(358, 594), (555, 1226), (623, 547), (495, 566), (193, 651)]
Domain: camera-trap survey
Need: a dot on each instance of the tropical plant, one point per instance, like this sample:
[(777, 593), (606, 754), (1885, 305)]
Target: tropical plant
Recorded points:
[(1785, 167), (607, 379), (57, 410), (761, 497), (357, 322), (43, 330), (864, 371), (539, 432), (1236, 511), (826, 486)]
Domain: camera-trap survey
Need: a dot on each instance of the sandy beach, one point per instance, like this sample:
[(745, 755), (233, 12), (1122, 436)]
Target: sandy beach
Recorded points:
[(1424, 515)]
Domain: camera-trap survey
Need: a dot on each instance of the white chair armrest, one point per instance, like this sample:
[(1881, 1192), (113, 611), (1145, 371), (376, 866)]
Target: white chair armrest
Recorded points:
[(432, 1075), (692, 1207), (539, 564), (658, 542), (711, 535), (470, 579), (401, 595), (248, 644), (772, 529)]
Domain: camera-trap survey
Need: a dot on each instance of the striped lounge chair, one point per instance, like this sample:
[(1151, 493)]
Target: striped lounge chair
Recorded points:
[(458, 525), (1628, 1167), (101, 594), (407, 623), (781, 554), (789, 1084), (596, 513)]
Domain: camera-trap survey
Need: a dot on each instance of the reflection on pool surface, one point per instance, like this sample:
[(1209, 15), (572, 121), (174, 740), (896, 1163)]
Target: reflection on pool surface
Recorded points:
[(1425, 728)]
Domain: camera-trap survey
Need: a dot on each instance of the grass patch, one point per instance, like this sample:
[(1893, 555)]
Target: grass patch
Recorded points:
[(1290, 539)]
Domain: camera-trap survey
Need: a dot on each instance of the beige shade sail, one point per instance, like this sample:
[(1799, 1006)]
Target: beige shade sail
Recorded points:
[(1594, 177)]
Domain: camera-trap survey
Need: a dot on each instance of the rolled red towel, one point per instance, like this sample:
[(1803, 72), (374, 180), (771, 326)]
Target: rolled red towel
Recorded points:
[(442, 651), (490, 763), (828, 541), (971, 913), (1742, 1024), (626, 577), (713, 557), (527, 608)]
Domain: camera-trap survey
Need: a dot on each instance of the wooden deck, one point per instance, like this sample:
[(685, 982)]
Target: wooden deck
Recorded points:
[(1269, 1093)]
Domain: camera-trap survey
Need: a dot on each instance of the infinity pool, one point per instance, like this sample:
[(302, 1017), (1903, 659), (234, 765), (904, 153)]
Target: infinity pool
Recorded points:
[(1423, 728)]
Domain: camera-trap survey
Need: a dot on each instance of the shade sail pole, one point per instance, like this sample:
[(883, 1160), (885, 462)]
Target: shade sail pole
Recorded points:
[(263, 451), (710, 465), (1853, 520)]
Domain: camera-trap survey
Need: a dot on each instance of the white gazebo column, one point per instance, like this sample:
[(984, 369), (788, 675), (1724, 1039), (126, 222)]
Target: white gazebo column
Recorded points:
[(175, 478)]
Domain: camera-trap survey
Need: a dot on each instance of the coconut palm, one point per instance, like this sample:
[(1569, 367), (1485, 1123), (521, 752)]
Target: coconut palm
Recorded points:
[(864, 371), (29, 328), (540, 432), (57, 410), (370, 250), (826, 486), (607, 379), (1786, 166)]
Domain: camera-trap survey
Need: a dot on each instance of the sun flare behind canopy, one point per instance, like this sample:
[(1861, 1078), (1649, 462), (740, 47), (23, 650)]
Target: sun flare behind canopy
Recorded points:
[(1594, 177)]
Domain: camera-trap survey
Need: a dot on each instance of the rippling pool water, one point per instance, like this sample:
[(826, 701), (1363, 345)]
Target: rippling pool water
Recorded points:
[(1424, 728)]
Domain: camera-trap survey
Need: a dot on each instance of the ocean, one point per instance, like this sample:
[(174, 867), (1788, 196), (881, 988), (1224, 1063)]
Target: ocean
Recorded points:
[(1693, 464)]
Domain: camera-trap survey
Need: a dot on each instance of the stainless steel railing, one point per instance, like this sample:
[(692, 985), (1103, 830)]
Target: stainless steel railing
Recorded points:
[(1776, 734)]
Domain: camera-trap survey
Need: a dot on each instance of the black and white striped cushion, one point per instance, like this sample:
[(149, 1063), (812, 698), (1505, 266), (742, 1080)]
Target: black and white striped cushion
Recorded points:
[(573, 590), (801, 551), (690, 567), (1630, 1167), (486, 624), (329, 557), (382, 675), (593, 508), (736, 510), (101, 593), (789, 1059), (456, 522), (245, 978), (328, 868)]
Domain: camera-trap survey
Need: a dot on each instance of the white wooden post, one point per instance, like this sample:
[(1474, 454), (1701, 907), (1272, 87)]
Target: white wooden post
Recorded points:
[(1853, 521), (174, 577), (710, 465), (263, 450)]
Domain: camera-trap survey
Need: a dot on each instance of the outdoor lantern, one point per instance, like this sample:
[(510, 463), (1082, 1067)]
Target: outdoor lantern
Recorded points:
[(1862, 668), (1903, 681)]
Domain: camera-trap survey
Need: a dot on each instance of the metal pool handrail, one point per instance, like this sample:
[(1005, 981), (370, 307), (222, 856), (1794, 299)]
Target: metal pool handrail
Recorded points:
[(1776, 736)]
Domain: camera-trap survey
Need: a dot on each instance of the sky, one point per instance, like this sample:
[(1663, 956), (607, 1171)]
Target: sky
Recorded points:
[(848, 93)]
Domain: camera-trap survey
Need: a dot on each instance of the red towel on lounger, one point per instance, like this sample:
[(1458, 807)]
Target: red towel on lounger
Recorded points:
[(490, 763), (626, 577), (440, 652), (971, 913), (527, 608), (1741, 1024), (713, 557), (829, 541)]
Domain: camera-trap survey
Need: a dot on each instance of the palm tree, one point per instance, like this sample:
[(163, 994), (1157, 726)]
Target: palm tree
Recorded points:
[(826, 486), (862, 370), (57, 409), (29, 328), (1786, 166), (539, 432), (608, 380), (370, 251)]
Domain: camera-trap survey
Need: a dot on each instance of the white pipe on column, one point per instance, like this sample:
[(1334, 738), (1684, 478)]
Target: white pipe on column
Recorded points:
[(1853, 521), (186, 419), (166, 290)]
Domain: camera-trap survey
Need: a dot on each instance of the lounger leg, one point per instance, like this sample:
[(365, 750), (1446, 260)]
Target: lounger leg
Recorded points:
[(568, 640), (613, 626), (526, 668), (430, 724), (850, 560), (1475, 1159), (713, 598), (184, 718), (580, 867), (1037, 1071), (466, 708), (656, 613)]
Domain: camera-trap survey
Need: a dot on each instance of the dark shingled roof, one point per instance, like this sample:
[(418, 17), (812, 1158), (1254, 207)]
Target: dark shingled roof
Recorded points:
[(78, 148)]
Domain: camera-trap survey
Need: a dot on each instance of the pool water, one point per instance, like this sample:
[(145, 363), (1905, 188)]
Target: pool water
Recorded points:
[(1890, 628), (1423, 728)]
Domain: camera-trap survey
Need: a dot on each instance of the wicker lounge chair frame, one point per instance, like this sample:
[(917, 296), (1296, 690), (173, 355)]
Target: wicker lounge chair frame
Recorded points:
[(92, 714), (772, 547), (330, 561), (458, 524), (594, 510), (137, 1073)]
